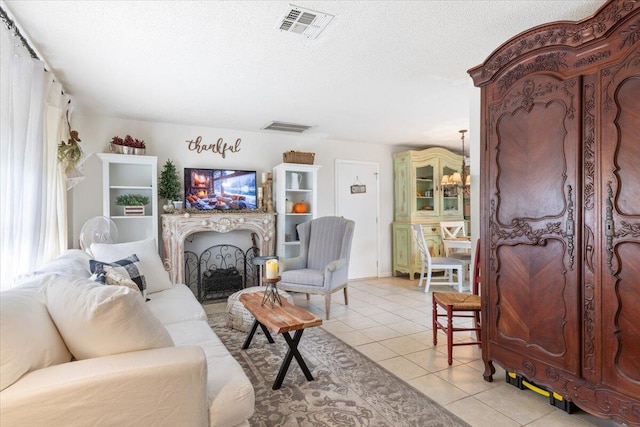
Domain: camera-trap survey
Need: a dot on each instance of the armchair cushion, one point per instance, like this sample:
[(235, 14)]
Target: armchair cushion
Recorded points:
[(325, 242), (305, 277)]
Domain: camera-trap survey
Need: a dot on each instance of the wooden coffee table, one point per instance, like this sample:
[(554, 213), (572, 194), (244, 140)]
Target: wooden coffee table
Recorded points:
[(280, 319)]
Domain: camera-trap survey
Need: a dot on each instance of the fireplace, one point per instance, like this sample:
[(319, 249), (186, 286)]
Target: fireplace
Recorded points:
[(177, 227), (220, 270)]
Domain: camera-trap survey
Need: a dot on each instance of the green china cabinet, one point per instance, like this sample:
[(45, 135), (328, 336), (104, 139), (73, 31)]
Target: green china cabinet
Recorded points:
[(420, 199)]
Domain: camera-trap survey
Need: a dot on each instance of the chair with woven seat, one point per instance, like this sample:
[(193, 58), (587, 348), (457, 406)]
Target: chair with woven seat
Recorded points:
[(458, 305), (449, 265)]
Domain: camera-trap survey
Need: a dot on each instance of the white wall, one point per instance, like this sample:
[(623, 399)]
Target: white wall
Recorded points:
[(258, 151)]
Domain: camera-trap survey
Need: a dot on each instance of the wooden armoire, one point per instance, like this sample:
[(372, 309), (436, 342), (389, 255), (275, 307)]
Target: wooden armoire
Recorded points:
[(560, 209)]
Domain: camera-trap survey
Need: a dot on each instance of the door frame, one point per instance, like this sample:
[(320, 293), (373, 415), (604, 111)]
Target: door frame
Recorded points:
[(337, 201)]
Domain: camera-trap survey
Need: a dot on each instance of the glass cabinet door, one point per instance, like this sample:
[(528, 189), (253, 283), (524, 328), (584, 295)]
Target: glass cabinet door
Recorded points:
[(425, 197), (451, 199)]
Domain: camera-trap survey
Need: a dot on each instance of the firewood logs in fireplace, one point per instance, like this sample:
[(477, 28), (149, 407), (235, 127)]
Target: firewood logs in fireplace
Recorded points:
[(217, 280)]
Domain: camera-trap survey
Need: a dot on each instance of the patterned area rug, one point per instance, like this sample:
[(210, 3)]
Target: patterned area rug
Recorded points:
[(349, 389)]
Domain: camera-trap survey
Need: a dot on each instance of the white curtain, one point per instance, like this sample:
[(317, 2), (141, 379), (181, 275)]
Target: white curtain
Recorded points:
[(32, 193)]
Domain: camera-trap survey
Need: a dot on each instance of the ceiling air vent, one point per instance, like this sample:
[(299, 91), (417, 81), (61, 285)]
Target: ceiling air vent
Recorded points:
[(286, 127), (307, 22)]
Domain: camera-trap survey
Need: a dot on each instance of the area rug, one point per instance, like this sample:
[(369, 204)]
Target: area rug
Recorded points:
[(349, 389)]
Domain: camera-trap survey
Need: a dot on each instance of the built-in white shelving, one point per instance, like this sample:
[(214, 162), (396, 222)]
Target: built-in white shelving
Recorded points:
[(297, 183), (130, 174)]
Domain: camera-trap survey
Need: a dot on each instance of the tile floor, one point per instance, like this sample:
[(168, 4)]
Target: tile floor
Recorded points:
[(389, 320)]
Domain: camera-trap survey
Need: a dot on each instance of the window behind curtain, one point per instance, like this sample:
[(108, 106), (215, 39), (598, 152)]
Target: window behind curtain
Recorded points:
[(32, 196)]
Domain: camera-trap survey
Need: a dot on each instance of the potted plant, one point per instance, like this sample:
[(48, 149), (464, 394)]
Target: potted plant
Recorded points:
[(169, 185), (133, 203), (128, 145)]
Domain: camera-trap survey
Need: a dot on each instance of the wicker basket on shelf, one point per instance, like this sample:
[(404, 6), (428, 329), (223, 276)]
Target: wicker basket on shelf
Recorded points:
[(298, 157)]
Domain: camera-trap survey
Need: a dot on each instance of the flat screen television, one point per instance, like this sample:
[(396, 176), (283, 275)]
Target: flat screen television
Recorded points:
[(222, 189)]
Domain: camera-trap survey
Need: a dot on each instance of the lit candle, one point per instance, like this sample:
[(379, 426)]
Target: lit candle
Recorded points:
[(272, 268)]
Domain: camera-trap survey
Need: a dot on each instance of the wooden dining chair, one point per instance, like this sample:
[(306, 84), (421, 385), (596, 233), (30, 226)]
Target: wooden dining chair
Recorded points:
[(429, 264), (458, 305), (455, 241)]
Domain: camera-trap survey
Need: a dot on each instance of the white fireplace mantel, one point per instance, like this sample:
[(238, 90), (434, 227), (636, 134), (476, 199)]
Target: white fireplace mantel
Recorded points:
[(177, 227)]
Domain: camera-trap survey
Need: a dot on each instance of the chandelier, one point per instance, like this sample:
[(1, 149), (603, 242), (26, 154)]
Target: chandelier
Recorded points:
[(458, 182)]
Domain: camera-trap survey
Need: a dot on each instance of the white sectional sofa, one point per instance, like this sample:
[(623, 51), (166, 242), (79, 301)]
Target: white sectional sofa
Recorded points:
[(78, 353)]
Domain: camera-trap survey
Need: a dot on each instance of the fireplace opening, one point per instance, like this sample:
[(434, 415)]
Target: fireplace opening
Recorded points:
[(220, 270)]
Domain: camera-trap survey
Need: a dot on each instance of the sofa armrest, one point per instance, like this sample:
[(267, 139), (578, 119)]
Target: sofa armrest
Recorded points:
[(158, 387)]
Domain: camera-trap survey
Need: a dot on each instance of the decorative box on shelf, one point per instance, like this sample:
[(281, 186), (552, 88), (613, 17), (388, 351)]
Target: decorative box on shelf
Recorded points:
[(299, 157), (133, 210)]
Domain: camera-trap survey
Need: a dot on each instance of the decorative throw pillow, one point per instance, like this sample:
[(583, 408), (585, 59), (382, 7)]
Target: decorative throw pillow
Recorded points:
[(96, 320), (150, 264), (29, 339), (115, 278), (108, 273)]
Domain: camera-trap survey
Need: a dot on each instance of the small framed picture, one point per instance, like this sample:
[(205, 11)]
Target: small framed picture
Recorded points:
[(356, 189)]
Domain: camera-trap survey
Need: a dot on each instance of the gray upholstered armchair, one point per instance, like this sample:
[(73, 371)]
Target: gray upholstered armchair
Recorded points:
[(323, 264)]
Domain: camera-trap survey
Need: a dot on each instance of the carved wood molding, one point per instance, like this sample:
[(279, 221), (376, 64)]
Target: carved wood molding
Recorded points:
[(176, 228), (530, 91), (569, 35), (520, 227), (589, 141), (529, 94), (547, 62), (609, 79), (596, 399), (589, 346), (626, 229)]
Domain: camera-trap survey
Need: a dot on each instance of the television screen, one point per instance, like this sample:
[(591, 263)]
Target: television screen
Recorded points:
[(207, 189)]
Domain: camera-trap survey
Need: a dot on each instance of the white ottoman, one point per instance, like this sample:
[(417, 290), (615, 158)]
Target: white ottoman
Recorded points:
[(238, 317)]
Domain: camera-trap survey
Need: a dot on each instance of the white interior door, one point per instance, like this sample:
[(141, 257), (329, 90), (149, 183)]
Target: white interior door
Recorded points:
[(363, 208)]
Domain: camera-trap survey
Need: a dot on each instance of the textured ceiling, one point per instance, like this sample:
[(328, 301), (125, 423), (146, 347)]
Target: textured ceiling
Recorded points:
[(391, 72)]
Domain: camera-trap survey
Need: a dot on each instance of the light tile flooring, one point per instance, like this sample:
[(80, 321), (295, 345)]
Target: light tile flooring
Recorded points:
[(389, 320)]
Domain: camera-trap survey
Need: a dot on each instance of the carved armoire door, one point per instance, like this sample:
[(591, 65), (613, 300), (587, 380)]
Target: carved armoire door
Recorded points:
[(560, 202), (620, 212), (532, 168)]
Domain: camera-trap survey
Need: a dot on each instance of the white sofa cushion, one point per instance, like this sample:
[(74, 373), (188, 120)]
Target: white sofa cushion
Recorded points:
[(29, 339), (231, 395), (175, 305), (162, 387), (72, 262), (97, 320), (150, 263)]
